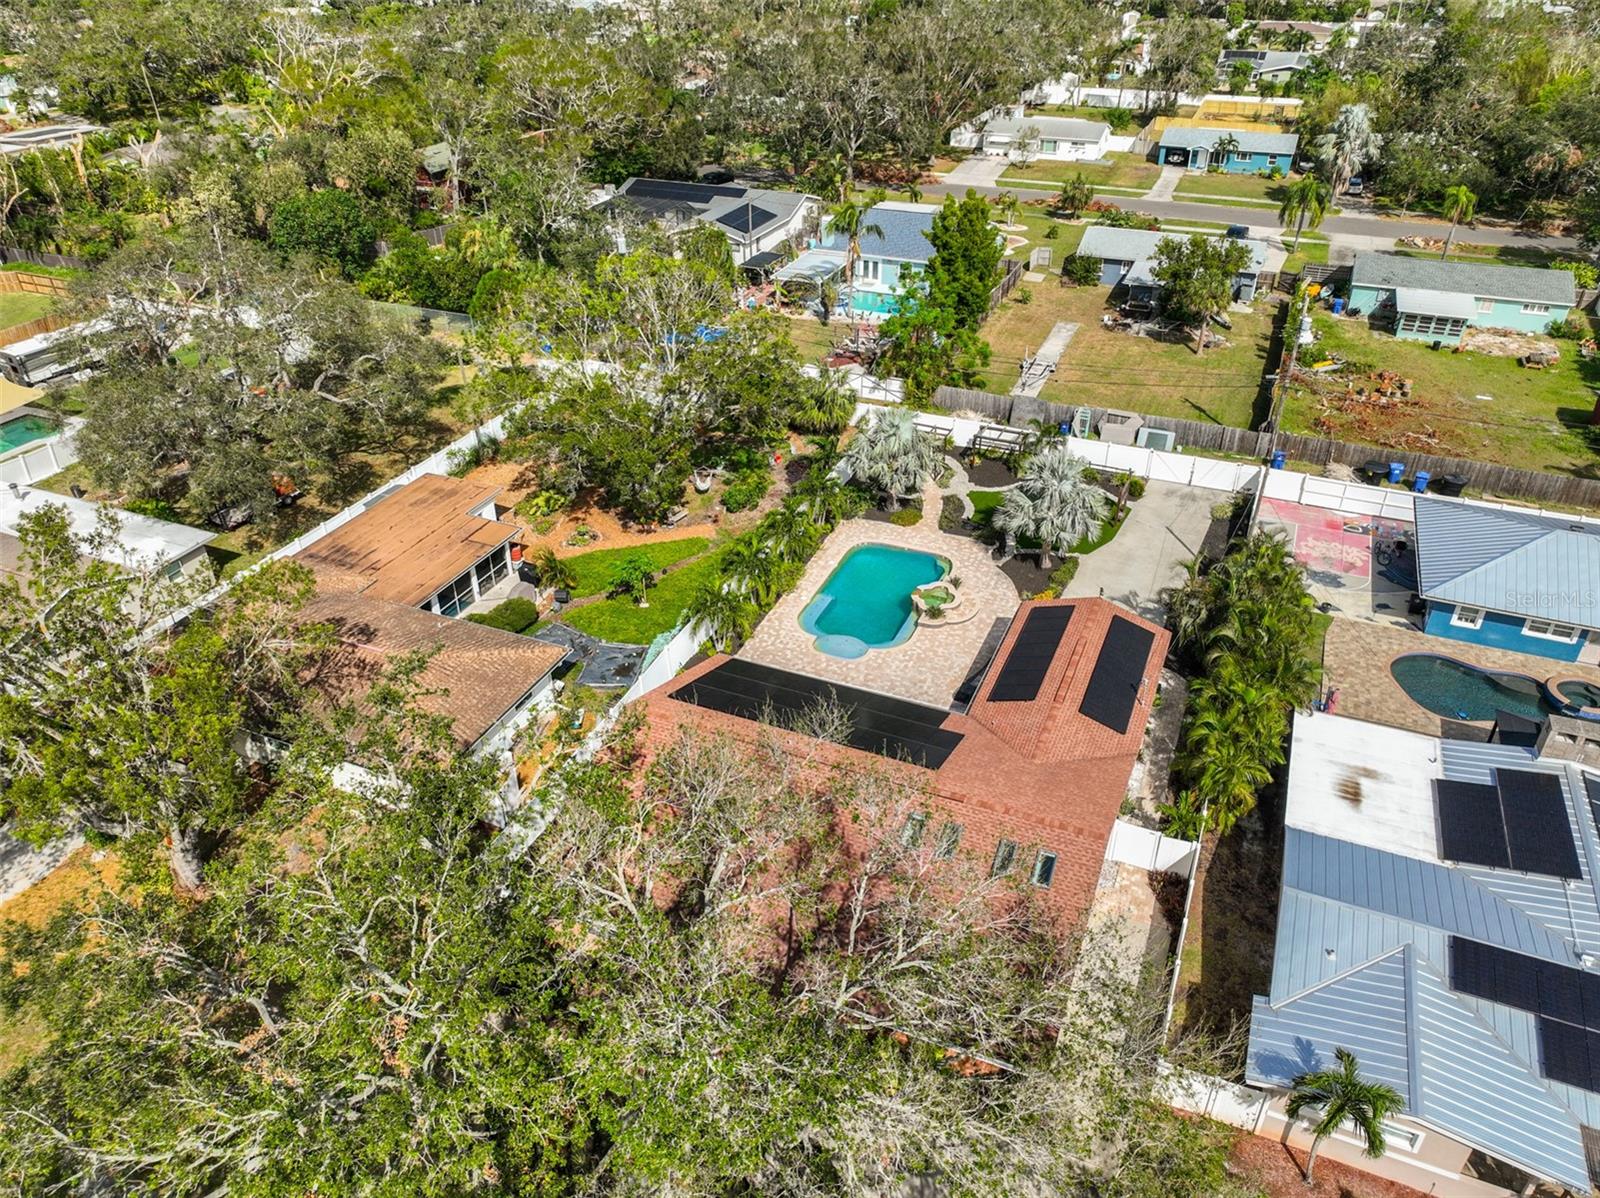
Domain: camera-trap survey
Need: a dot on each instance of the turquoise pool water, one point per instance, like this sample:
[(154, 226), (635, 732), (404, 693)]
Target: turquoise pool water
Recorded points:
[(866, 602), (874, 301), (24, 430), (1462, 692)]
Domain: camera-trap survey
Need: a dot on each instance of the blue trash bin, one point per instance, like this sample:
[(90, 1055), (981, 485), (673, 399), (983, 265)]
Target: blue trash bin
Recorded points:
[(1397, 471), (1279, 457), (1338, 305), (1420, 483)]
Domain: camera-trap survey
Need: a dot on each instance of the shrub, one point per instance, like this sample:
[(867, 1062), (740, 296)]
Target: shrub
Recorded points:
[(1132, 481), (461, 462), (514, 615), (1568, 329), (1062, 576), (1024, 295), (329, 225), (156, 509), (747, 488), (1052, 232), (905, 517), (1082, 270), (1584, 274), (541, 504)]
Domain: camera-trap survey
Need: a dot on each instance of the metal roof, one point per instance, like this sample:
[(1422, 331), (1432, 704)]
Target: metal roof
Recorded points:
[(1250, 142), (1060, 128), (1547, 567), (1132, 245), (901, 232), (1528, 284), (813, 266), (740, 213), (1435, 303)]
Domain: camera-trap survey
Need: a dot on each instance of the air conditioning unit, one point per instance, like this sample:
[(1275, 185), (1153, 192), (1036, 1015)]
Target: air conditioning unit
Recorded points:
[(1156, 438)]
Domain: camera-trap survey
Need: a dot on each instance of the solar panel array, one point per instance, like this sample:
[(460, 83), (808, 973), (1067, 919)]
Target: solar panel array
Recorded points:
[(1025, 666), (686, 193), (1518, 823), (746, 217), (1118, 672), (878, 724), (1565, 1001)]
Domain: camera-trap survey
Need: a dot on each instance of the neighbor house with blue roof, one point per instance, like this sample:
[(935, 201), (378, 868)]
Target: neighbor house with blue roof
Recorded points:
[(1438, 918), (1431, 299), (1251, 151), (1509, 579)]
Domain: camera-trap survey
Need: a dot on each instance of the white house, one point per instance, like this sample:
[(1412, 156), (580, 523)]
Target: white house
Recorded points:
[(1013, 134), (141, 542), (756, 221)]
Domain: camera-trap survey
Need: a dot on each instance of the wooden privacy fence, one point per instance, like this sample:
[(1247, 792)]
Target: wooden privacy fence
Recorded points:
[(1007, 284), (28, 283), (1021, 411), (32, 328)]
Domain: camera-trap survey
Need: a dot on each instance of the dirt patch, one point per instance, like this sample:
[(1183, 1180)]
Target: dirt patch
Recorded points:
[(1279, 1171), (990, 474), (1509, 343), (1025, 574)]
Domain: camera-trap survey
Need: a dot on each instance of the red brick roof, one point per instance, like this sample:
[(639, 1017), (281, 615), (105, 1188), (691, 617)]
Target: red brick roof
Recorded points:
[(1037, 772)]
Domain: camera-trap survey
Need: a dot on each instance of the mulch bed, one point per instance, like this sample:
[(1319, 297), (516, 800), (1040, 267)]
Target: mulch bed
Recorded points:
[(990, 473), (882, 515), (1025, 574), (1278, 1170)]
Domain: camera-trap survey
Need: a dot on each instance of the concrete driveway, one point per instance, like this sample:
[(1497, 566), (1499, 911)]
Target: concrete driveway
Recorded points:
[(977, 171), (1163, 530)]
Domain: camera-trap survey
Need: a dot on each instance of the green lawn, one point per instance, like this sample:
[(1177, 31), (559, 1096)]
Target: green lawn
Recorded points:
[(1245, 187), (593, 570), (620, 619), (1534, 419), (813, 338), (1105, 369), (19, 307), (1311, 250), (1121, 170)]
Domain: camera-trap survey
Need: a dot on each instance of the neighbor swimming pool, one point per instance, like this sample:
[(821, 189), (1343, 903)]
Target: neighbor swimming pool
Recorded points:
[(880, 302), (24, 430), (1458, 691), (866, 602)]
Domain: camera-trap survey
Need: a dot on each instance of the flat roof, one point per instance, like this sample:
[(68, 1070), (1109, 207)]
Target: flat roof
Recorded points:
[(1364, 784), (1423, 302), (141, 540), (411, 543)]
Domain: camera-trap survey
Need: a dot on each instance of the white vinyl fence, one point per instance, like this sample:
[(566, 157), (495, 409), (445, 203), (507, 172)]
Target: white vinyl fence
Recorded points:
[(1363, 499), (1148, 849), (1237, 1106), (44, 459)]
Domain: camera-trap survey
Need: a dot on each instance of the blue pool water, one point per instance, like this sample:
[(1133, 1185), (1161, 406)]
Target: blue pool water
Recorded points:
[(874, 301), (866, 601), (23, 430), (1462, 692)]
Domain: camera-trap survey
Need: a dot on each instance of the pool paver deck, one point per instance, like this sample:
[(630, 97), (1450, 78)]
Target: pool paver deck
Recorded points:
[(1356, 658), (933, 662)]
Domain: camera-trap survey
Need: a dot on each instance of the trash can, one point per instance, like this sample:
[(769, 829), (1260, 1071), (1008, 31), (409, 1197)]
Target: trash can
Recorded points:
[(1420, 483), (1397, 471), (1338, 305), (1279, 457), (1450, 484)]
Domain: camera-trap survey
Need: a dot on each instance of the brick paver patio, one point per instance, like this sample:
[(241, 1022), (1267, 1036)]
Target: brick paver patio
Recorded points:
[(931, 664), (1356, 658)]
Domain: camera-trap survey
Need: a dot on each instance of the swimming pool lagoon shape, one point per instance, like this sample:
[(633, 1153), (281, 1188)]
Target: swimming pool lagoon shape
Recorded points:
[(1458, 691), (865, 603)]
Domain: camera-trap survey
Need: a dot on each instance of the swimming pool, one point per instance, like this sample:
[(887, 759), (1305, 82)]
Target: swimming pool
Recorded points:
[(1461, 692), (866, 602), (24, 430), (881, 302)]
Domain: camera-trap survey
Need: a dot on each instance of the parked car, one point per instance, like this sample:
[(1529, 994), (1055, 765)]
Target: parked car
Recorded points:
[(1239, 231)]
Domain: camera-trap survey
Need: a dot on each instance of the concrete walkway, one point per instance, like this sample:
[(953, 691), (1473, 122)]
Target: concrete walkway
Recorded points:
[(1163, 530), (1038, 369), (1166, 183), (977, 171)]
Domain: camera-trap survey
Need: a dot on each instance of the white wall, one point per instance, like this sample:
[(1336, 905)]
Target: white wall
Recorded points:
[(44, 459), (1237, 1106), (1363, 499), (1148, 849)]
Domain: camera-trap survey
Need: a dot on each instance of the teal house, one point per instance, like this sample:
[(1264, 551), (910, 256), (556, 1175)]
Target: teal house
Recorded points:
[(1234, 151), (1427, 299), (1509, 579)]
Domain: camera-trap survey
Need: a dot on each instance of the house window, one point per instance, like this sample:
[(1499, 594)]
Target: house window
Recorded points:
[(1241, 156), (1549, 630), (1044, 869), (457, 595), (1005, 856), (1047, 146), (911, 834), (1272, 161), (492, 569), (949, 840), (1485, 305), (1536, 309), (869, 268), (1467, 617)]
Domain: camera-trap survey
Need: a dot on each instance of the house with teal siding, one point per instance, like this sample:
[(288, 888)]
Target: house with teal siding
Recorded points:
[(1243, 151), (894, 244), (1430, 299), (1509, 579)]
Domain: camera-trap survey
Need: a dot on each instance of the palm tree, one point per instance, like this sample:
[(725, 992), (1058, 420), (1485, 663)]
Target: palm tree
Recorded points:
[(789, 531), (1220, 149), (823, 405), (1460, 204), (848, 218), (1056, 501), (1349, 145), (1007, 204), (1342, 1095), (824, 499), (1305, 202), (726, 614), (892, 454), (554, 572), (750, 570)]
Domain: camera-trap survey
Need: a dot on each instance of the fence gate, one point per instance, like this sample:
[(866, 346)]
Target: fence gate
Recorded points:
[(1041, 258)]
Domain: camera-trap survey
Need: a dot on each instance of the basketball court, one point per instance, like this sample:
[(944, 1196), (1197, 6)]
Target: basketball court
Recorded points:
[(1360, 566)]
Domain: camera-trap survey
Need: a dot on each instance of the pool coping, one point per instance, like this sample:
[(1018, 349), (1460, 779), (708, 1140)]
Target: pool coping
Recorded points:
[(908, 626)]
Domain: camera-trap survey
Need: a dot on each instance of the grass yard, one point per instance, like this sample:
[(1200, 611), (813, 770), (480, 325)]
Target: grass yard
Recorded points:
[(1118, 370), (813, 338), (1126, 121), (593, 570), (1121, 170), (19, 307), (1311, 250), (1244, 187), (620, 619), (1534, 419)]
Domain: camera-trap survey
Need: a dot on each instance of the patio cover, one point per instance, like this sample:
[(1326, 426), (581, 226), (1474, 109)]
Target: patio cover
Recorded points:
[(1142, 273), (813, 266), (1422, 302), (762, 261)]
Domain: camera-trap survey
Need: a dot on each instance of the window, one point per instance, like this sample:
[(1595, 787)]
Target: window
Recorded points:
[(1430, 326), (1467, 617), (1241, 156), (1005, 856), (172, 571), (1536, 309), (492, 569), (1485, 305), (457, 595), (1549, 630), (911, 834), (1047, 146), (869, 268), (949, 839), (1044, 869)]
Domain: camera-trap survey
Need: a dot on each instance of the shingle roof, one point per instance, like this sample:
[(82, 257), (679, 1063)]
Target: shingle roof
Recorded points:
[(1531, 284), (475, 676), (1250, 142), (730, 207), (1132, 245), (902, 232), (1516, 562), (411, 543), (1061, 127)]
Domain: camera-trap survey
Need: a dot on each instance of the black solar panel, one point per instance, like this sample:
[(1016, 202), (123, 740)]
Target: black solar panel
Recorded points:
[(746, 217), (1570, 1054), (1118, 671), (1537, 829), (1470, 826), (879, 724), (688, 193), (1023, 671)]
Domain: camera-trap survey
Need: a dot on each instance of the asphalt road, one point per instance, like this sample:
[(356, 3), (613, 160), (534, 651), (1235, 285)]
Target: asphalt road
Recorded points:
[(1352, 224)]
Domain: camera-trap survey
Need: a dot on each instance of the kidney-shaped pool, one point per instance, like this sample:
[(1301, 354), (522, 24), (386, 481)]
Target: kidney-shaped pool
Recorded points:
[(866, 602), (1458, 691)]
